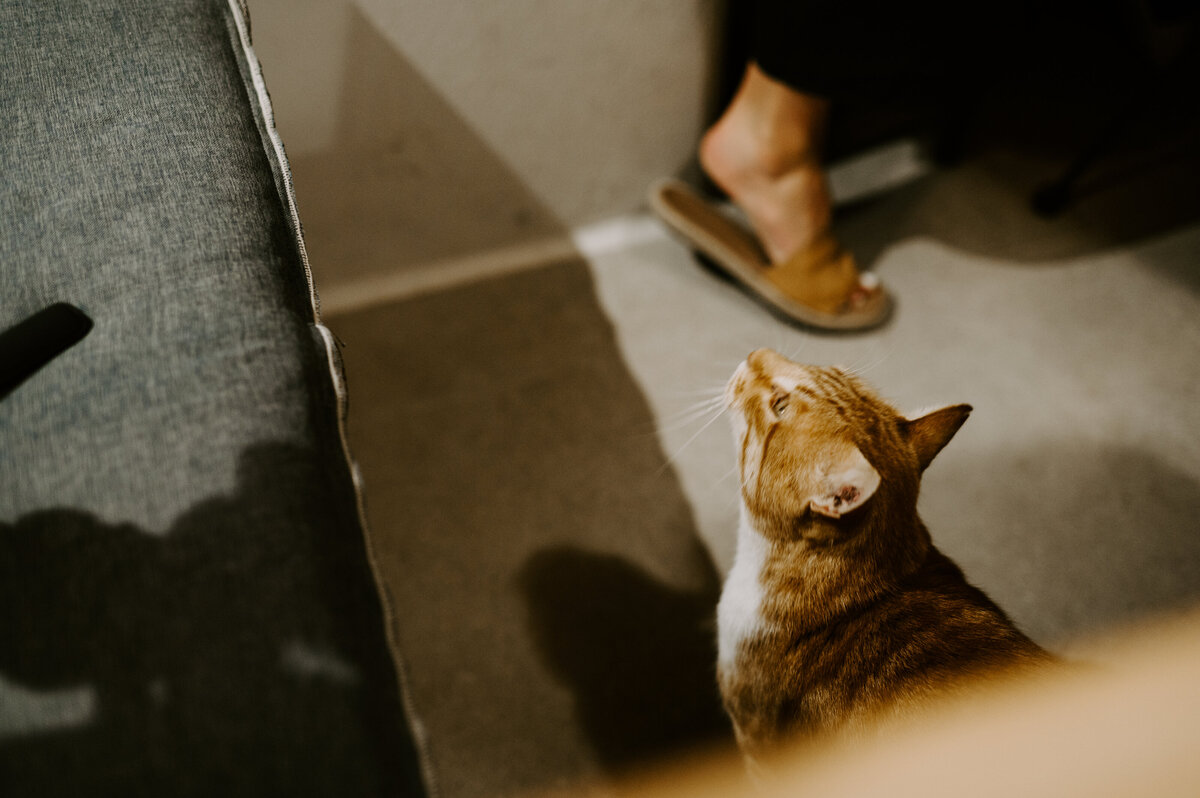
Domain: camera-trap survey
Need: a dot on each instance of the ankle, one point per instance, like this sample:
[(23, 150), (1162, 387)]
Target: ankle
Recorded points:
[(732, 153), (781, 189), (760, 141)]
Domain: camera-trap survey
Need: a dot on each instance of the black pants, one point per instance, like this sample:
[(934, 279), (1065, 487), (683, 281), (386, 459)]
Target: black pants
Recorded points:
[(872, 50)]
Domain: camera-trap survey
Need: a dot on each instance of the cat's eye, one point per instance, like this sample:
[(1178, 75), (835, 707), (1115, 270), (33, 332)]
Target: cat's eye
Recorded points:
[(780, 402)]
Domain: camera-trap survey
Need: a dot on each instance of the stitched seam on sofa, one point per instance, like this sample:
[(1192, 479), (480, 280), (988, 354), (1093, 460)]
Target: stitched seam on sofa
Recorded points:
[(274, 143), (278, 158)]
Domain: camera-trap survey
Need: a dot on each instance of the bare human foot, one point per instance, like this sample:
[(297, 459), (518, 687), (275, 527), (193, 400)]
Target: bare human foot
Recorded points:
[(764, 152)]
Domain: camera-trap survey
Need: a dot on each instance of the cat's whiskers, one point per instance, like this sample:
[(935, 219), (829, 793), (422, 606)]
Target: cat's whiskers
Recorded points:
[(692, 413), (703, 393), (795, 352), (674, 458), (880, 359)]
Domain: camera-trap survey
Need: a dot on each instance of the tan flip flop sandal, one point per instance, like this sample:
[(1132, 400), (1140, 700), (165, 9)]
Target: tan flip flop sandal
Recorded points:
[(817, 287)]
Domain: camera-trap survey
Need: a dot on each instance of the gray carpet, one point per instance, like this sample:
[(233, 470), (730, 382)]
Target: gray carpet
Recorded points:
[(556, 602), (552, 516)]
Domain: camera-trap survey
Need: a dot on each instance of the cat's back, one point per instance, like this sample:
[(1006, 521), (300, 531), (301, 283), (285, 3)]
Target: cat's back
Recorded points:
[(932, 636), (937, 628)]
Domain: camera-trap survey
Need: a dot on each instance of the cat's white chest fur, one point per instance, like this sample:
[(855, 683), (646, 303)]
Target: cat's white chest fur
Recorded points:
[(739, 612)]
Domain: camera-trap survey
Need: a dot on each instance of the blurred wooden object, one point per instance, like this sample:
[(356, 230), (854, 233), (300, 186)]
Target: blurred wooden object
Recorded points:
[(1129, 726)]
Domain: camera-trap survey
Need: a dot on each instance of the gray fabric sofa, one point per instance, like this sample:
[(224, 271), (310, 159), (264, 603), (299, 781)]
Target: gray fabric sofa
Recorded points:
[(187, 603)]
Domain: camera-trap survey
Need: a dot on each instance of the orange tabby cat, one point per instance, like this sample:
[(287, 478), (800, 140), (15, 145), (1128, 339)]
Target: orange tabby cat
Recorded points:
[(839, 611)]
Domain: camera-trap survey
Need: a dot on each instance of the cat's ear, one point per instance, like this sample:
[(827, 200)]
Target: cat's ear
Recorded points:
[(846, 486), (932, 431)]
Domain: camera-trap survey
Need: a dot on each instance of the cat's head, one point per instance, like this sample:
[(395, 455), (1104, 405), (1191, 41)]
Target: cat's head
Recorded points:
[(815, 444)]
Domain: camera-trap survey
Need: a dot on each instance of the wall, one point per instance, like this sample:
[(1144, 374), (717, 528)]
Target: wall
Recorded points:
[(422, 133)]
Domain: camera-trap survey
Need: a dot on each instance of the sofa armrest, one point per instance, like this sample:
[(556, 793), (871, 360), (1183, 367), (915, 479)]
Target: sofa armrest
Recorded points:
[(187, 604)]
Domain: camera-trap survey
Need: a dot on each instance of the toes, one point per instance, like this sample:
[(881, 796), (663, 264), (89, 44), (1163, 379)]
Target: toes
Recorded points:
[(866, 290)]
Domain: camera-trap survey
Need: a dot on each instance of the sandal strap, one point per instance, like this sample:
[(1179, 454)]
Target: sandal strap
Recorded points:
[(822, 275)]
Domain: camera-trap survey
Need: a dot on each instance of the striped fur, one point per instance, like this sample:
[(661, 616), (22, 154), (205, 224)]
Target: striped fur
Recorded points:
[(835, 615)]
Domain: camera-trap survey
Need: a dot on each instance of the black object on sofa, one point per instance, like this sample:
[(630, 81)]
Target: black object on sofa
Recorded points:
[(187, 605)]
